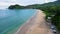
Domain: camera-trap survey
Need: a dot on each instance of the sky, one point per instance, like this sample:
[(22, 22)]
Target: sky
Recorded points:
[(5, 3)]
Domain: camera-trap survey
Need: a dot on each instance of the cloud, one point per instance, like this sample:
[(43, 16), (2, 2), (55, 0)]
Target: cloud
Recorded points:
[(24, 2), (5, 3), (46, 1)]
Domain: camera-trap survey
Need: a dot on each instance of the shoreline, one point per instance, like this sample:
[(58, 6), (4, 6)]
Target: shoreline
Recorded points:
[(35, 25), (26, 22)]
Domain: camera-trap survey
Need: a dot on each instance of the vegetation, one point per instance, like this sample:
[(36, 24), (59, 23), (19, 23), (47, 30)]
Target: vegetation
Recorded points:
[(15, 7), (56, 21), (54, 10)]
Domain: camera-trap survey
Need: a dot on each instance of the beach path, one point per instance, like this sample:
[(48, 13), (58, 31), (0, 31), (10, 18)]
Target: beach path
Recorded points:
[(35, 25)]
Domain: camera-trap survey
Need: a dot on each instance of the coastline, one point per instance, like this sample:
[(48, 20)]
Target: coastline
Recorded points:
[(35, 25), (27, 22)]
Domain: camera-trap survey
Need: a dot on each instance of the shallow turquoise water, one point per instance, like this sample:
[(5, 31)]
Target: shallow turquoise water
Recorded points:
[(13, 19)]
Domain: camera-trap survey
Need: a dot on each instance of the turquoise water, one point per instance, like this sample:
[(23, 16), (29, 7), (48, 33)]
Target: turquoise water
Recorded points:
[(11, 20)]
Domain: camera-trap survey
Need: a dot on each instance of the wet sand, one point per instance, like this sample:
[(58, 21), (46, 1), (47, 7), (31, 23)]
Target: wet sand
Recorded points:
[(35, 25)]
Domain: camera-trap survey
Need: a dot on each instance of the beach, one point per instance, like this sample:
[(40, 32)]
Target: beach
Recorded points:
[(35, 25)]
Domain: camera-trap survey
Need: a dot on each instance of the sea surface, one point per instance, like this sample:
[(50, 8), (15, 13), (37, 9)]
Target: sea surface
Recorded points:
[(11, 20)]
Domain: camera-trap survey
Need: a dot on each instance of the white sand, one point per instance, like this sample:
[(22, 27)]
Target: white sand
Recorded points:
[(35, 25)]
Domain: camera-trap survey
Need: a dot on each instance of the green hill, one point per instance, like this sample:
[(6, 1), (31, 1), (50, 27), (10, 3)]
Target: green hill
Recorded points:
[(39, 6), (15, 7)]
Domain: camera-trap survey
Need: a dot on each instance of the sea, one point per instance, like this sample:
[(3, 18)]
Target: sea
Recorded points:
[(12, 20)]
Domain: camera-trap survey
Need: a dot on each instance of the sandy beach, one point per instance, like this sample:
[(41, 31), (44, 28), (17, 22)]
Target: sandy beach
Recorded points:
[(35, 25)]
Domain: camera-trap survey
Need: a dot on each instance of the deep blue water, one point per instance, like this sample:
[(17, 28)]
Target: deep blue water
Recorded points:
[(11, 20)]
